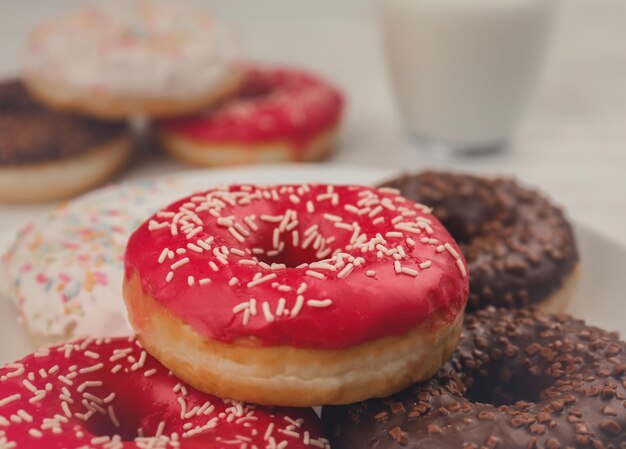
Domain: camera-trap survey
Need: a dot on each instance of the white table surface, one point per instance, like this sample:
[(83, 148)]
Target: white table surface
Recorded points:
[(572, 144)]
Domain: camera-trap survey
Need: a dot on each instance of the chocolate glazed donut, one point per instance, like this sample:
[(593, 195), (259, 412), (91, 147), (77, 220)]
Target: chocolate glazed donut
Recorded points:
[(520, 248), (519, 380)]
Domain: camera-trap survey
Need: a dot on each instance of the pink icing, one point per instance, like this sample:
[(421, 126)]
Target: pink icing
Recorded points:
[(228, 262), (98, 393), (273, 105)]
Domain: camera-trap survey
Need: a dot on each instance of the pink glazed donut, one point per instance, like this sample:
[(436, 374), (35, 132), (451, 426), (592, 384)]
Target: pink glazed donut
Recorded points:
[(111, 394), (280, 115), (296, 294)]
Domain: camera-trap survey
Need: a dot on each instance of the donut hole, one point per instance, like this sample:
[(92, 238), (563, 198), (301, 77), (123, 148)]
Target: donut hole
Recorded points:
[(136, 405), (500, 384), (307, 251), (255, 88), (290, 256)]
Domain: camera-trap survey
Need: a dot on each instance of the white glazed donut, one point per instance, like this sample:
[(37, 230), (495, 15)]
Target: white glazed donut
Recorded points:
[(64, 270), (121, 57)]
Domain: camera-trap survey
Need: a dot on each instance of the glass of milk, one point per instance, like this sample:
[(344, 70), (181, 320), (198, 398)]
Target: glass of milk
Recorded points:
[(462, 70)]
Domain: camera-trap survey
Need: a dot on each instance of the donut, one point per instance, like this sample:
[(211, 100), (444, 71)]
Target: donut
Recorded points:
[(279, 115), (111, 394), (520, 248), (47, 155), (520, 379), (64, 270), (296, 294), (125, 57)]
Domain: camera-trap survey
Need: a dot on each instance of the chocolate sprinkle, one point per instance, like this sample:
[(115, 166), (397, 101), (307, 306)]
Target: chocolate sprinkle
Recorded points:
[(550, 399), (519, 247), (31, 133)]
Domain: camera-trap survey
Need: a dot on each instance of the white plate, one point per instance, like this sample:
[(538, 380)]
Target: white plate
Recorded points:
[(596, 300)]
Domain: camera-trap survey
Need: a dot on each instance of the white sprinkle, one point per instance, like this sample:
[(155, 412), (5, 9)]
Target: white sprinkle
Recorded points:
[(240, 307), (393, 234), (391, 190), (426, 264), (397, 266), (370, 273), (315, 274), (88, 384), (344, 226), (407, 228), (221, 221), (204, 281), (179, 263), (319, 303), (233, 281), (240, 238), (409, 271), (272, 218), (25, 416), (298, 306), (194, 232), (268, 431), (323, 266), (194, 247), (280, 308), (375, 211), (10, 399), (451, 250), (29, 385), (91, 369), (112, 416), (65, 380), (266, 311), (169, 276), (183, 407), (66, 409), (333, 218), (250, 222), (260, 280), (150, 372), (345, 271), (275, 238), (213, 266), (191, 281), (459, 263), (92, 354), (163, 255)]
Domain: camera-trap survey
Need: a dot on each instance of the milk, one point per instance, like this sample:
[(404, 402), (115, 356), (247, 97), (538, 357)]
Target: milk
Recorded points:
[(463, 69)]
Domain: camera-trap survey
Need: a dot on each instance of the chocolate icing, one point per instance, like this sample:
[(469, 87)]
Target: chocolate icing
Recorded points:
[(520, 379), (31, 133), (519, 247)]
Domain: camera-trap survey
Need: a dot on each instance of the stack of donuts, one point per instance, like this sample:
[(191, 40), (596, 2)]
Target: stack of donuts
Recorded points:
[(63, 124), (409, 311)]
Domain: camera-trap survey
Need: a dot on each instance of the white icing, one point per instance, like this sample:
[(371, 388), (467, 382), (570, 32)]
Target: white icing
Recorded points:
[(134, 47), (65, 270)]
